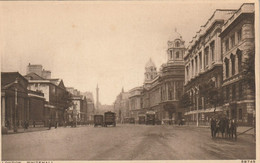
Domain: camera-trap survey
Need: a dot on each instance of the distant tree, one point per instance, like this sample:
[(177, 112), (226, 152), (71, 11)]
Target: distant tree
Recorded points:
[(185, 101), (248, 67), (212, 94), (67, 102)]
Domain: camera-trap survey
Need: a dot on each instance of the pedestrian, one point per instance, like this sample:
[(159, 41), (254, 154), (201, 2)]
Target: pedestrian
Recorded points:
[(27, 124), (213, 127), (49, 124), (234, 129), (56, 124), (34, 123), (222, 126), (24, 125), (217, 127)]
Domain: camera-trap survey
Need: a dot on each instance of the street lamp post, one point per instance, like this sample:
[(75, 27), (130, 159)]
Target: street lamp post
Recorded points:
[(197, 99)]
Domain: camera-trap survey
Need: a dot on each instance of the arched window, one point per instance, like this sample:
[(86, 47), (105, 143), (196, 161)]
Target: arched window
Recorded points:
[(233, 64), (239, 60), (177, 44), (227, 67)]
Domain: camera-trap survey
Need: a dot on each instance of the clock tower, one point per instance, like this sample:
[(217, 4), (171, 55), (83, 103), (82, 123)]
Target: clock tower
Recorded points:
[(176, 48)]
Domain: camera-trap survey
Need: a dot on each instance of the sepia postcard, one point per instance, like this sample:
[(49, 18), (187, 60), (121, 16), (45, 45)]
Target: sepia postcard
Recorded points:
[(139, 81)]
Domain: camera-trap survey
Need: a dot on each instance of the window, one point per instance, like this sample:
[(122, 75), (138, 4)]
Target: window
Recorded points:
[(233, 92), (212, 50), (177, 44), (177, 54), (233, 40), (171, 55), (227, 93), (227, 44), (240, 91), (233, 64), (227, 67), (187, 72), (239, 60), (196, 64), (192, 68), (240, 114), (239, 35), (200, 57), (206, 53)]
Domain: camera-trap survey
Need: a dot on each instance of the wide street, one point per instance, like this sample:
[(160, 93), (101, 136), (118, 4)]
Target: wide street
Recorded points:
[(125, 142)]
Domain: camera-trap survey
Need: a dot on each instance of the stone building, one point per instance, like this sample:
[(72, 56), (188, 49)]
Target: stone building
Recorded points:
[(18, 104), (38, 69), (90, 106), (121, 106), (203, 65), (238, 40), (163, 89), (78, 110), (55, 95), (135, 99), (214, 58)]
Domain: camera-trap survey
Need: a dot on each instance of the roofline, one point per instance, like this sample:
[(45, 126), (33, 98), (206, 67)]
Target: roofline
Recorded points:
[(36, 75), (15, 73), (225, 28)]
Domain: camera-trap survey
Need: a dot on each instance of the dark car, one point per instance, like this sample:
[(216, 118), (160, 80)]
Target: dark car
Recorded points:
[(109, 118), (132, 120), (141, 119), (98, 120), (150, 118)]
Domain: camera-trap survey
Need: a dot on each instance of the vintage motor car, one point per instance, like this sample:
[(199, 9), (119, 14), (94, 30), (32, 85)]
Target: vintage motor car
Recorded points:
[(98, 120), (150, 118), (109, 119)]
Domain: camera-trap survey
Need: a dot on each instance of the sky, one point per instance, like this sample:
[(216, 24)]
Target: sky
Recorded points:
[(86, 43)]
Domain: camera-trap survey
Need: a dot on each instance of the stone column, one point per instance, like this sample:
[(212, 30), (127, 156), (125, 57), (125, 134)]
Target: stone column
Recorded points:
[(202, 58), (3, 111), (218, 50), (174, 90), (166, 84), (209, 56)]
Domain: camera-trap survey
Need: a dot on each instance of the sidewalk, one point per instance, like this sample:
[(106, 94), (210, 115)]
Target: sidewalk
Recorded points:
[(34, 129), (240, 129), (31, 129)]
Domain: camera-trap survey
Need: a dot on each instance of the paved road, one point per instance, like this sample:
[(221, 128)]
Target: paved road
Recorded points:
[(125, 142)]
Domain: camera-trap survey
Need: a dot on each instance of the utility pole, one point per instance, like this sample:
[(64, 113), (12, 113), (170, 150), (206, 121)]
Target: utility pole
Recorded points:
[(197, 99), (15, 111)]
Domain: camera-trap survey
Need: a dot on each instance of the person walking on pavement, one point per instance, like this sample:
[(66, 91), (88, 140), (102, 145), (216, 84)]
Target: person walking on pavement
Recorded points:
[(234, 129), (49, 124), (56, 124), (33, 123), (213, 127)]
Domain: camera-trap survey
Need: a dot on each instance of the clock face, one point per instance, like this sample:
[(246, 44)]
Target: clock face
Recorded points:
[(170, 44)]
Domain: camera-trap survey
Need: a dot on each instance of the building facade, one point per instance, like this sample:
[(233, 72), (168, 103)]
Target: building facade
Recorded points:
[(163, 89), (38, 69), (55, 95), (18, 104), (135, 99), (238, 43), (203, 65), (214, 64), (163, 92), (121, 106)]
